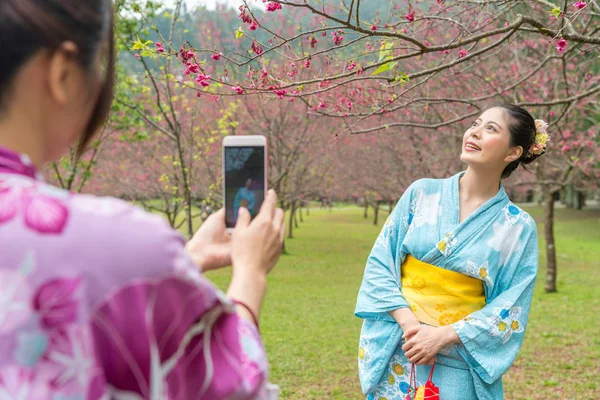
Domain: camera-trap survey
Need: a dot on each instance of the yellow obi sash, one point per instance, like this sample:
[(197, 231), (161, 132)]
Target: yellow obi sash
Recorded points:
[(438, 296)]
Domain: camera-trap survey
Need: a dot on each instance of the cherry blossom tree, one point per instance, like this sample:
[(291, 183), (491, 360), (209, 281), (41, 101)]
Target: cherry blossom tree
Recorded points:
[(407, 68)]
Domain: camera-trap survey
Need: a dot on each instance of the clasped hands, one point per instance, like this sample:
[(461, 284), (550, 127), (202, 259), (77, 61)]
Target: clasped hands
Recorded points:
[(424, 342)]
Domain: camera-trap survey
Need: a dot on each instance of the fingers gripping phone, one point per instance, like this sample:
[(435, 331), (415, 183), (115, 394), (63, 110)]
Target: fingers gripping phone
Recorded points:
[(244, 175)]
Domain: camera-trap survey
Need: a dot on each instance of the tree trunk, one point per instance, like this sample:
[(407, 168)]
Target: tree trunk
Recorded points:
[(300, 213), (376, 212), (308, 208), (366, 209), (291, 222), (187, 191), (580, 200), (295, 215), (549, 236)]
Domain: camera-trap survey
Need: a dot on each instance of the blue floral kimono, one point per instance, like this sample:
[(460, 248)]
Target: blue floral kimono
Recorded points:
[(246, 198), (496, 244)]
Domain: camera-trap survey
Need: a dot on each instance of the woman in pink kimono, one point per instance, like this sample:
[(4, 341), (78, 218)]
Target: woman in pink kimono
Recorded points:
[(98, 299)]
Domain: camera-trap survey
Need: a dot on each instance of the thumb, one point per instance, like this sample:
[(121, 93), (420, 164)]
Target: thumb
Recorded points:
[(215, 218), (243, 218)]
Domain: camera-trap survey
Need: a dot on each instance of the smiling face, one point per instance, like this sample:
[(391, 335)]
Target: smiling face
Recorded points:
[(487, 143)]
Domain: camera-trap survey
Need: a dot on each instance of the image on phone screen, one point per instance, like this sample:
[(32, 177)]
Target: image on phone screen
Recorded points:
[(244, 181)]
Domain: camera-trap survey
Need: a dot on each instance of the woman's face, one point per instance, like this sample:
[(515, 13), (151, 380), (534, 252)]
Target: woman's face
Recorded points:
[(486, 144)]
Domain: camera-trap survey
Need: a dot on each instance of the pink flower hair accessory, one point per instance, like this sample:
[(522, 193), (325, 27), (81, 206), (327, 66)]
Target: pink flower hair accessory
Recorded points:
[(541, 139)]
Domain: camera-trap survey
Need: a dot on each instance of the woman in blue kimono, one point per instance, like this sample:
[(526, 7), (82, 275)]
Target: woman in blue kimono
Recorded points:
[(245, 197), (450, 278)]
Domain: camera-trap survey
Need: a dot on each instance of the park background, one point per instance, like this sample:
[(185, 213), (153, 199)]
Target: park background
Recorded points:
[(357, 100)]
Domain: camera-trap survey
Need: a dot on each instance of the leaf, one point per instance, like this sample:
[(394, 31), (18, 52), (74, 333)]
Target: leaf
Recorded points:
[(385, 50), (239, 33), (137, 45), (384, 67), (147, 53), (402, 78), (556, 12)]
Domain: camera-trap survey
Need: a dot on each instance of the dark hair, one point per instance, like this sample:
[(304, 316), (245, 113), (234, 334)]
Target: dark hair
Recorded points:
[(522, 133), (27, 26)]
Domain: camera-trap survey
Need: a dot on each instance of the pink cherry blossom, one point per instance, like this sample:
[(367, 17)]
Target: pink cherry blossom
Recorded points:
[(186, 55), (313, 41), (244, 16), (56, 302), (43, 213), (307, 63), (253, 26), (238, 90), (191, 69), (70, 357), (561, 45), (580, 4), (216, 56), (337, 37), (410, 16), (462, 53), (137, 56), (272, 6), (257, 48), (203, 80), (374, 28), (9, 204), (280, 92), (351, 66)]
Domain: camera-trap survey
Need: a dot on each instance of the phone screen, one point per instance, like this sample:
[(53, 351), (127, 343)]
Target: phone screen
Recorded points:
[(244, 180)]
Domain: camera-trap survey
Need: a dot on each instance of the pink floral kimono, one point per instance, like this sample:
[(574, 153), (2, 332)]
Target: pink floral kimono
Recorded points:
[(99, 300)]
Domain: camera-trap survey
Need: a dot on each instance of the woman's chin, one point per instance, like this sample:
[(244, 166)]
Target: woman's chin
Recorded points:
[(470, 157), (466, 158)]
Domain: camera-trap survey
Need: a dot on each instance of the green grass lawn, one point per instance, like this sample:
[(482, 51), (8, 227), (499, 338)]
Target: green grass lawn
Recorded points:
[(311, 334)]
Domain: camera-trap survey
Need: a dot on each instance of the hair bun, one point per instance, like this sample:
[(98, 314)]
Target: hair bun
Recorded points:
[(529, 158)]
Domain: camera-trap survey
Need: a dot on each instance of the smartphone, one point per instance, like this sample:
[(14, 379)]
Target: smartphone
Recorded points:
[(244, 175)]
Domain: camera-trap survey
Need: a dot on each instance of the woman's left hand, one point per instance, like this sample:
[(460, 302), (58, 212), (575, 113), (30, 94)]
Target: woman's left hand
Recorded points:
[(210, 247), (425, 343)]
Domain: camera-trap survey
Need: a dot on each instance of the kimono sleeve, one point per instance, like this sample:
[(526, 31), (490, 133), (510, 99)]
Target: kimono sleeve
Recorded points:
[(380, 289), (174, 335), (492, 336)]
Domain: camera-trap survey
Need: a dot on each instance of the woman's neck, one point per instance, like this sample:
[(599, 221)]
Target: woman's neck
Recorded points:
[(478, 185), (16, 136)]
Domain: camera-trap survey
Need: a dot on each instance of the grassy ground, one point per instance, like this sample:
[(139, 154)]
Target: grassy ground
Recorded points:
[(311, 334)]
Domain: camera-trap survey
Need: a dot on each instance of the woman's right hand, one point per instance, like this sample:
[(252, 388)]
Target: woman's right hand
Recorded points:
[(256, 247), (257, 244)]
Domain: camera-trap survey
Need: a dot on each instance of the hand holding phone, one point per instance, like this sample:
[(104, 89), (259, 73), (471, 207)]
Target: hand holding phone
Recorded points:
[(256, 247), (257, 244)]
